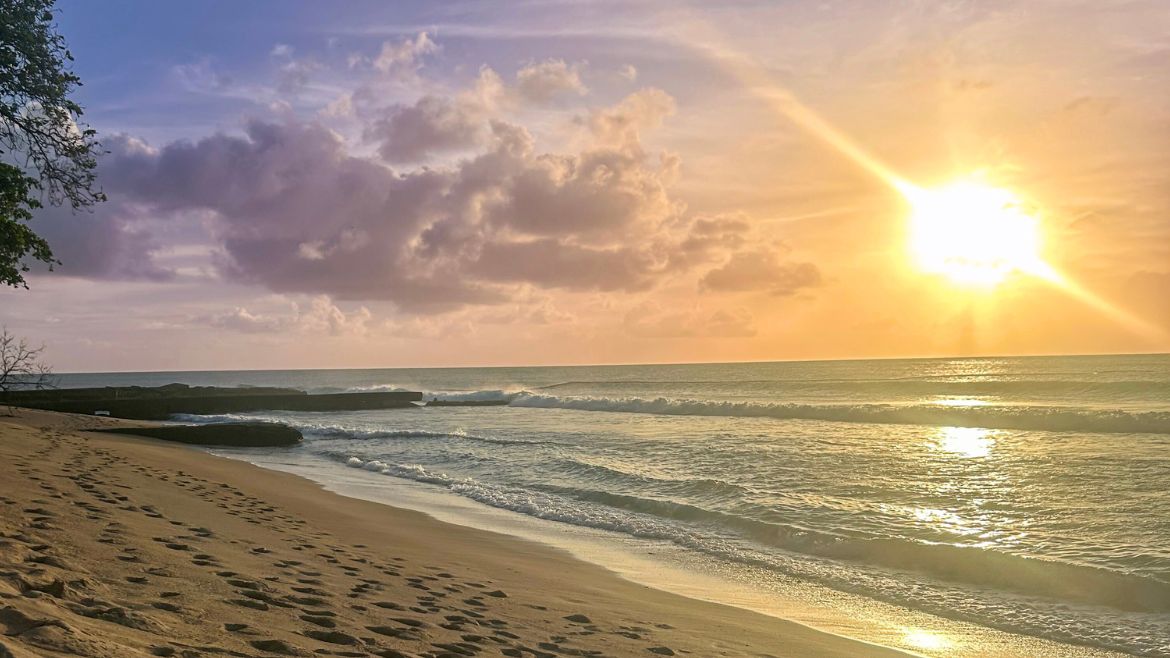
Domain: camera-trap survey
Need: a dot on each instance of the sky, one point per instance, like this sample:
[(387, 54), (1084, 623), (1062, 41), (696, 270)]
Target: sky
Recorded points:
[(309, 185)]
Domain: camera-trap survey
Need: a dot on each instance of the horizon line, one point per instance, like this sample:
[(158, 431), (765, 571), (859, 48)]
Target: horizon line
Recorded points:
[(634, 364)]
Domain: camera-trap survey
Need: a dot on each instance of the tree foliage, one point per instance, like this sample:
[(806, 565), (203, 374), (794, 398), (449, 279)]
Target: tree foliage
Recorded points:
[(46, 154)]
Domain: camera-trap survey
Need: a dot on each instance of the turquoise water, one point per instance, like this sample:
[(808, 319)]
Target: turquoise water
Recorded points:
[(1026, 494)]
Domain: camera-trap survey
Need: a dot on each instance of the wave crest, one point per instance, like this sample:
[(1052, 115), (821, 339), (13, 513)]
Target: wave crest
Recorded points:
[(654, 518), (1043, 418)]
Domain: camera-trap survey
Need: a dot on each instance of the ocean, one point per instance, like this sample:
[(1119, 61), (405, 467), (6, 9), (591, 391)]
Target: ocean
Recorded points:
[(990, 497)]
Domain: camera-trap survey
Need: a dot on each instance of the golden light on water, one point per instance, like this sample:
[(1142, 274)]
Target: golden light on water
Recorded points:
[(962, 402), (920, 638), (967, 442)]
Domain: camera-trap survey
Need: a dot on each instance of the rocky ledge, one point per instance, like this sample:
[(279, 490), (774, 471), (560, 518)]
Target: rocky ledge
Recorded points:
[(240, 435), (162, 402)]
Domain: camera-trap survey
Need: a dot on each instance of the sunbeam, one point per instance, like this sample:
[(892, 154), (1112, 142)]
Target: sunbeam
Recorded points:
[(972, 233)]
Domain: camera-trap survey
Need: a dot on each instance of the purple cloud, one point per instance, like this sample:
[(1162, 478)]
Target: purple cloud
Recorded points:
[(434, 124), (102, 244), (292, 210), (761, 270)]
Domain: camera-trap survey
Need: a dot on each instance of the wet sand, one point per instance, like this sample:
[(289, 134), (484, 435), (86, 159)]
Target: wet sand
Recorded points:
[(116, 546)]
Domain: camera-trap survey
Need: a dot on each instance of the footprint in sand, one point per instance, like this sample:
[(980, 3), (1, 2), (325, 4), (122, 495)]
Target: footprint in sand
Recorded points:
[(242, 583), (324, 622), (277, 646), (333, 637), (249, 603), (236, 628)]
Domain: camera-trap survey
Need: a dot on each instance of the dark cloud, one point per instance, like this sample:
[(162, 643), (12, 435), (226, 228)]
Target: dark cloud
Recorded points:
[(434, 124), (287, 207), (597, 191), (102, 244), (761, 270), (707, 238), (296, 213)]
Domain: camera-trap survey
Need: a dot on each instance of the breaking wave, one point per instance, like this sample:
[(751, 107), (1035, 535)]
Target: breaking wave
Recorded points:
[(343, 432), (720, 534), (1043, 418), (313, 430)]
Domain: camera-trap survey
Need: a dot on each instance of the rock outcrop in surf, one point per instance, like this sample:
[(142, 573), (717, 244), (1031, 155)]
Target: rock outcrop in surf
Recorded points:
[(240, 435)]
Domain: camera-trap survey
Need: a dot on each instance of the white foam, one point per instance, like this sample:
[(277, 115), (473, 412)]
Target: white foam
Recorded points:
[(1020, 417), (1056, 621), (473, 396)]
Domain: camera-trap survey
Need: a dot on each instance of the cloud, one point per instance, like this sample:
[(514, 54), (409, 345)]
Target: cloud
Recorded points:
[(624, 123), (293, 73), (297, 213), (242, 320), (761, 270), (487, 92), (102, 244), (598, 190), (319, 316), (541, 82), (710, 237), (338, 108), (628, 72), (285, 205), (401, 59), (323, 316), (434, 124)]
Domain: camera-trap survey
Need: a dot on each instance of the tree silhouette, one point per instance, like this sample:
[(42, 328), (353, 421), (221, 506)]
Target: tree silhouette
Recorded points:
[(46, 154), (21, 367)]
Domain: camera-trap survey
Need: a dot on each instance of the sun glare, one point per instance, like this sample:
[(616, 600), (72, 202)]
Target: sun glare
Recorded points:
[(923, 639), (973, 234)]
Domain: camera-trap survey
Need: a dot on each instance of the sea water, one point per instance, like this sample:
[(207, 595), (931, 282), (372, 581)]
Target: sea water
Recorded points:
[(1029, 495)]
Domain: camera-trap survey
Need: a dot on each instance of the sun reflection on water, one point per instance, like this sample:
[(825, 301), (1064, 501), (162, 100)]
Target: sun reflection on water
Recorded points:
[(961, 402), (920, 638), (965, 442)]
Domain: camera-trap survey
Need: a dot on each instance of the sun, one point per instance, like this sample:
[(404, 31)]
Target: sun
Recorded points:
[(973, 234)]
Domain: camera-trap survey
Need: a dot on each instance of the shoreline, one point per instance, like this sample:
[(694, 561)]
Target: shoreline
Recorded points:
[(669, 568), (306, 570)]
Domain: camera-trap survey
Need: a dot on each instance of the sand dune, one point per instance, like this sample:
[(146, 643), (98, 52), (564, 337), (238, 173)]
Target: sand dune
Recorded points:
[(115, 546)]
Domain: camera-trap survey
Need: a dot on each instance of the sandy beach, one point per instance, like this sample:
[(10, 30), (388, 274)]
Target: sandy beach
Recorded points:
[(119, 546)]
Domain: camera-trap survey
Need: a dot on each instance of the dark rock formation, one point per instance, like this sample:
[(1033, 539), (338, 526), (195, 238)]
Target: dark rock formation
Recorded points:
[(20, 398), (160, 403), (242, 435)]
